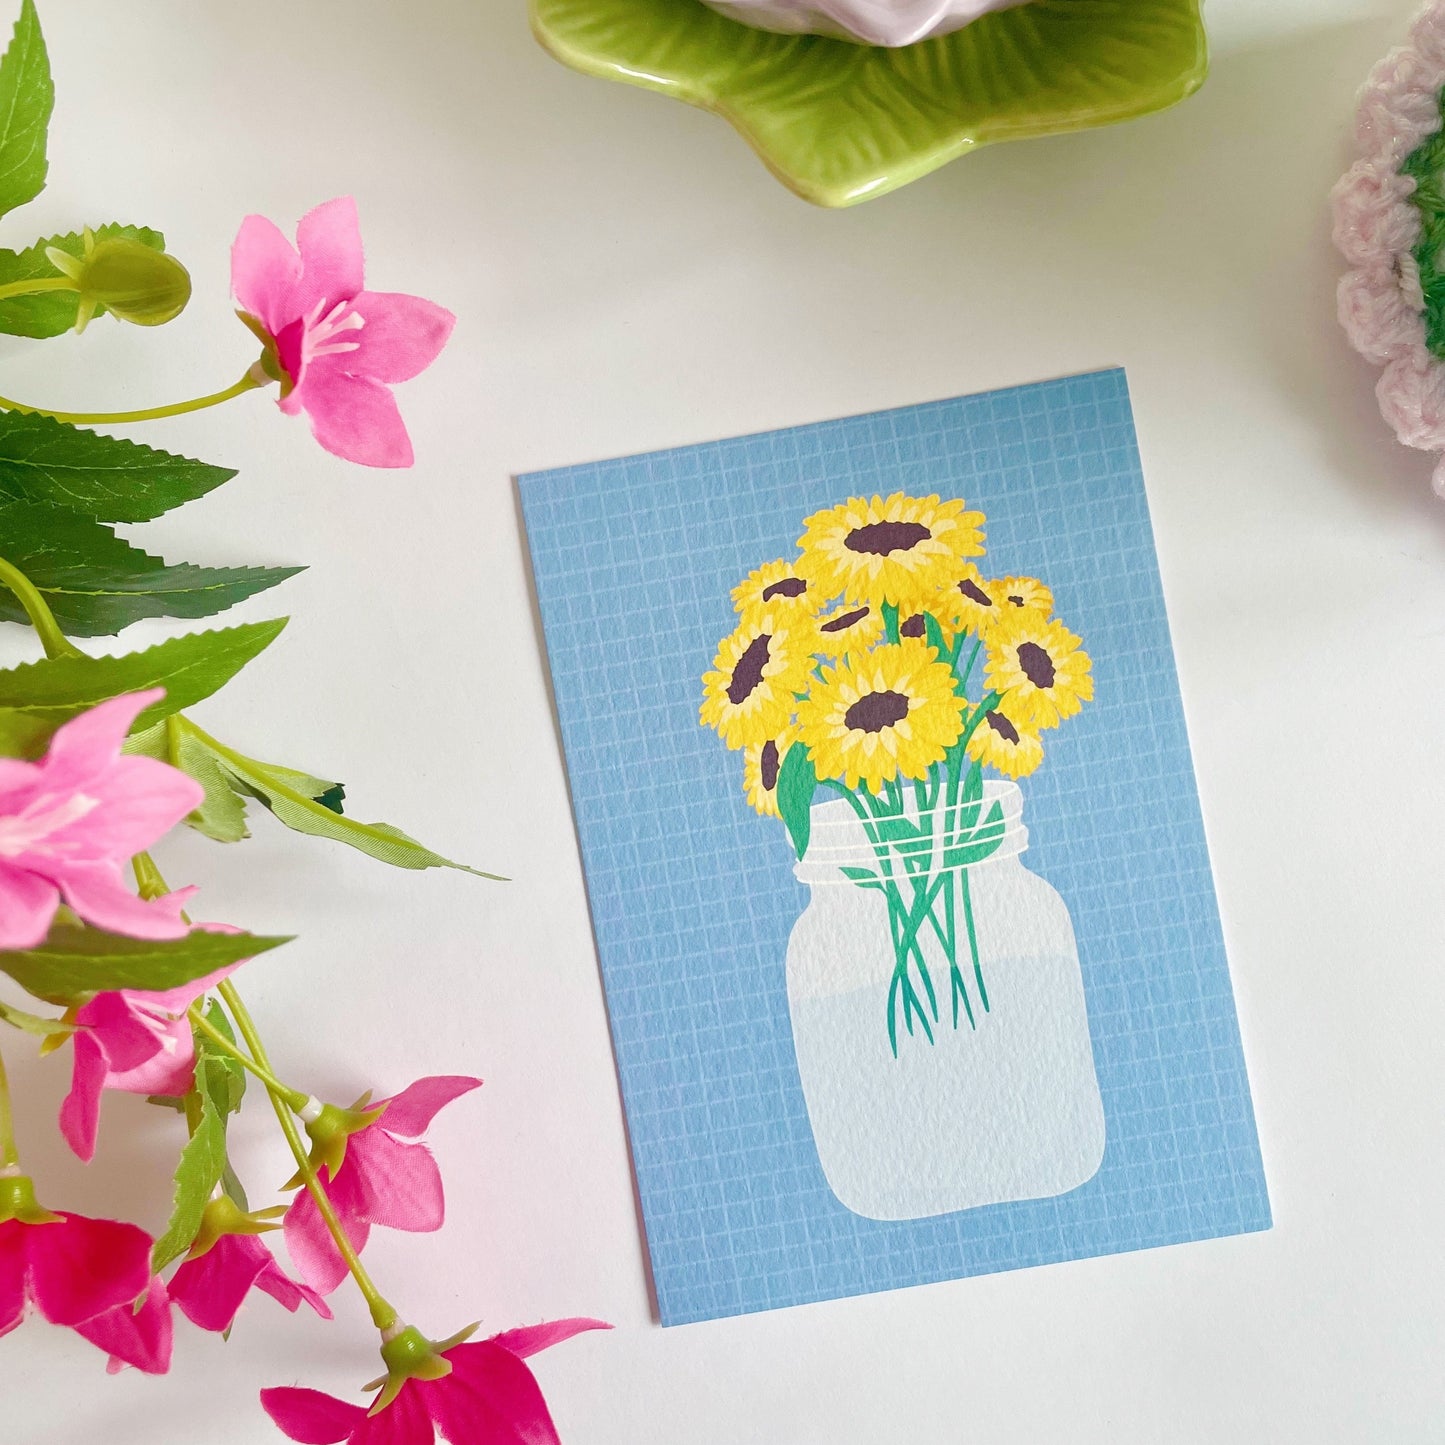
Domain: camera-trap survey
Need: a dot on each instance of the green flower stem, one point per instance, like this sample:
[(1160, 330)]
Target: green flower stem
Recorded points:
[(9, 1154), (55, 642), (383, 1314), (37, 287), (249, 382), (294, 1098)]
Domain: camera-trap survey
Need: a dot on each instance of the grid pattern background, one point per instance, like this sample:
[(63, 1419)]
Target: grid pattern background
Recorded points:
[(693, 896)]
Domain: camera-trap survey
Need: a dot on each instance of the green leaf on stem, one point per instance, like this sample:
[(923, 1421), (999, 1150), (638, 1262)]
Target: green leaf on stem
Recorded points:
[(42, 1028), (96, 583), (201, 1165), (37, 697), (224, 1075), (103, 477), (934, 633), (222, 814), (797, 782), (27, 97), (76, 962), (52, 313)]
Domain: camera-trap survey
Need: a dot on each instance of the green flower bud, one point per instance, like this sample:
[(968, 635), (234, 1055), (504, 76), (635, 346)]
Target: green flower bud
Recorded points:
[(127, 278)]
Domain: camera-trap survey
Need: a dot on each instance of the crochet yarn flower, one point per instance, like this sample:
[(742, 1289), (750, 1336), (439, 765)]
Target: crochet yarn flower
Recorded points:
[(1389, 224), (482, 1392), (377, 1178), (68, 823), (336, 348), (211, 1288)]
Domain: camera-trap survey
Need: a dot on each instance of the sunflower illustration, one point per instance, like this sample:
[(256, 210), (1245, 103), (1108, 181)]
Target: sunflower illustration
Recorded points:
[(774, 583), (1026, 592), (901, 550), (1006, 742), (849, 628), (750, 694), (1037, 664), (762, 766), (971, 604), (873, 717)]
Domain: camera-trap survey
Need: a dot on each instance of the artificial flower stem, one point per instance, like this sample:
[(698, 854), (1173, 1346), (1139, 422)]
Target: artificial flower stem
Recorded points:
[(42, 619), (294, 1098), (249, 382), (36, 287), (9, 1154), (383, 1314)]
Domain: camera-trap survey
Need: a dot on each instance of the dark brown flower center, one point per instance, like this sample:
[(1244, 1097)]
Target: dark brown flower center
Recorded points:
[(974, 592), (1037, 665), (1002, 726), (1016, 599), (749, 670), (914, 627), (876, 711), (788, 587), (768, 765), (843, 623), (881, 538)]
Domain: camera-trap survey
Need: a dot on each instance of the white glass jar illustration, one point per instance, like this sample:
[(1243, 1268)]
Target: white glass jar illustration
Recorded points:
[(939, 1017)]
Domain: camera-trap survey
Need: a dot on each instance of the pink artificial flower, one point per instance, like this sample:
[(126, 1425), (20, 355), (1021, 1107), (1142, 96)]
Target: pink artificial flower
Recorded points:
[(68, 822), (490, 1398), (209, 1290), (338, 347), (381, 1181), (138, 1043), (86, 1274)]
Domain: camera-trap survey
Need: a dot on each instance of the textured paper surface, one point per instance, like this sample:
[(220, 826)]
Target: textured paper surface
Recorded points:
[(693, 896)]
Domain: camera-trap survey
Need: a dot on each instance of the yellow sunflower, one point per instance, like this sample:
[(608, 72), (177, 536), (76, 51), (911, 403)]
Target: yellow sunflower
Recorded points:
[(774, 583), (972, 603), (1026, 592), (901, 550), (750, 694), (1036, 663), (762, 765), (1006, 742), (871, 718), (849, 628)]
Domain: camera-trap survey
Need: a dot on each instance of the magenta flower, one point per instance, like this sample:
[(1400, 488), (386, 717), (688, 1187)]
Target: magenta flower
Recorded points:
[(336, 348), (130, 1336), (137, 1043), (381, 1181), (490, 1397), (209, 1290), (68, 822)]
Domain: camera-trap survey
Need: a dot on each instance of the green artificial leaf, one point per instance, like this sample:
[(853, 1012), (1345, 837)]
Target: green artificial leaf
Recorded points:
[(201, 1165), (52, 313), (103, 477), (222, 814), (797, 782), (26, 100), (37, 697), (33, 1023), (934, 633), (224, 1076), (76, 961), (96, 583)]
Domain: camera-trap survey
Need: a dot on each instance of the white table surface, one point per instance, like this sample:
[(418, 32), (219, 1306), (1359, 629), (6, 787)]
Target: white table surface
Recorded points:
[(628, 277)]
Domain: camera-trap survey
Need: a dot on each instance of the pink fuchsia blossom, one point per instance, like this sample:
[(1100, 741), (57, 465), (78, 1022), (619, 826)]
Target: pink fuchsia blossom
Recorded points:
[(68, 823), (490, 1397), (382, 1180), (134, 1042), (336, 348), (140, 1337), (210, 1289)]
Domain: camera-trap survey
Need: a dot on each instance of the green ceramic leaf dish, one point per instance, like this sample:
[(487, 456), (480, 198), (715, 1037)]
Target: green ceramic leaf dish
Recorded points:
[(840, 123)]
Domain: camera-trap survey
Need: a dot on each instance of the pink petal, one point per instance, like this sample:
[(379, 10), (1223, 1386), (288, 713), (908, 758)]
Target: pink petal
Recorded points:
[(135, 802), (12, 1273), (87, 744), (210, 1290), (410, 1112), (287, 1293), (80, 1109), (353, 418), (402, 1182), (27, 907), (406, 1421), (529, 1339), (309, 1243), (491, 1395), (403, 335), (311, 1417), (178, 1000), (265, 273), (332, 265), (81, 1267), (16, 777), (96, 893), (135, 1337)]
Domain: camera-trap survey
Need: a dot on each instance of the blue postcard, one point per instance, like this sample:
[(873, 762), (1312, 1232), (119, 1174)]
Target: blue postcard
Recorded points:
[(897, 872)]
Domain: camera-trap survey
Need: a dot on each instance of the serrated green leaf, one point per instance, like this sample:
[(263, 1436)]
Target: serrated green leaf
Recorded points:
[(797, 782), (52, 313), (33, 1024), (201, 1165), (76, 962), (26, 100), (45, 694), (103, 477), (96, 583)]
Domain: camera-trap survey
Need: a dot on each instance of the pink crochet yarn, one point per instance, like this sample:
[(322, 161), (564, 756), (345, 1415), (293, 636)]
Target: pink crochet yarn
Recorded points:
[(1376, 229)]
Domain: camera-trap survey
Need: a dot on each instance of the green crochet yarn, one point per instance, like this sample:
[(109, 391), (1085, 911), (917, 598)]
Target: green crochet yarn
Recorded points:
[(1425, 165)]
